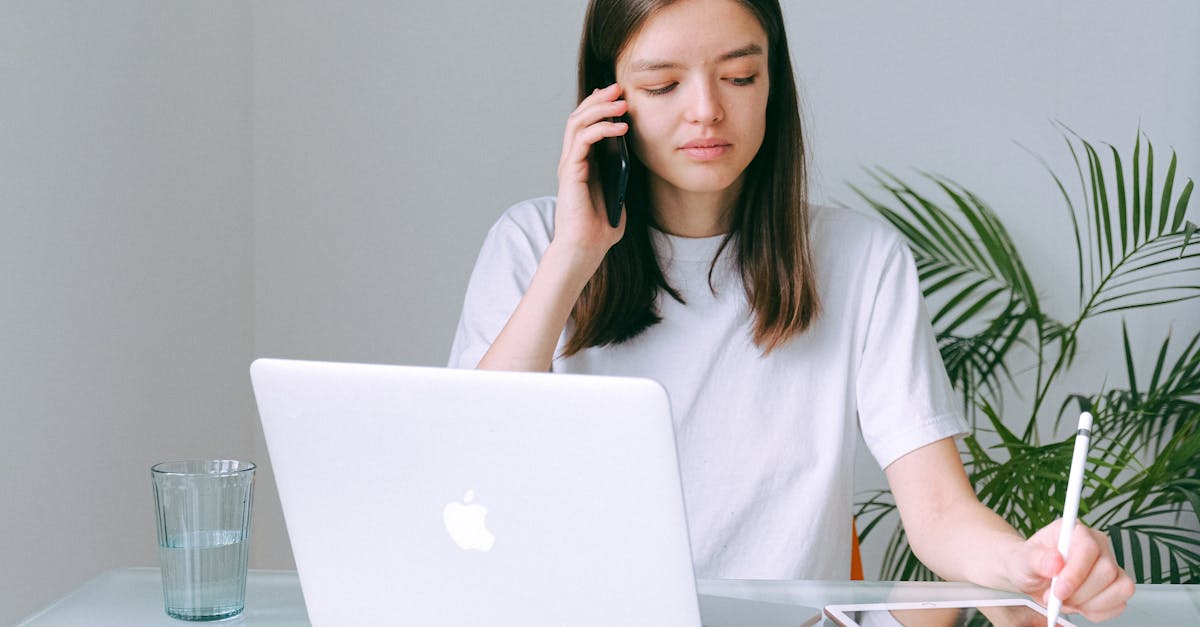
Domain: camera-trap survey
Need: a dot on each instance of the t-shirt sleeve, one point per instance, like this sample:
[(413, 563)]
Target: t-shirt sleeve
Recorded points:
[(505, 266), (905, 399)]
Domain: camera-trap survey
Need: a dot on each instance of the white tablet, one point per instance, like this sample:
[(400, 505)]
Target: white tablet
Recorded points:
[(982, 613)]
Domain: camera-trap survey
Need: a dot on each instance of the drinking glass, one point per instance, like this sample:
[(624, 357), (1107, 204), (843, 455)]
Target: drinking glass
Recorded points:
[(203, 511)]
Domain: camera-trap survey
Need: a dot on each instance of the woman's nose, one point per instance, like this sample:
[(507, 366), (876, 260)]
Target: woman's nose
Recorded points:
[(704, 105)]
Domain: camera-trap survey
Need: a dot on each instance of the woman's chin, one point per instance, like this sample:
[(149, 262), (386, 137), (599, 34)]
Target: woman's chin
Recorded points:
[(710, 182)]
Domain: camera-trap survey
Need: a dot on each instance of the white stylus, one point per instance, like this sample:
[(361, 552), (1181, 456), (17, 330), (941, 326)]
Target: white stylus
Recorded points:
[(1071, 509)]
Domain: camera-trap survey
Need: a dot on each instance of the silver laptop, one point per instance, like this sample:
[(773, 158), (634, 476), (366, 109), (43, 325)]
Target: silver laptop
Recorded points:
[(430, 496)]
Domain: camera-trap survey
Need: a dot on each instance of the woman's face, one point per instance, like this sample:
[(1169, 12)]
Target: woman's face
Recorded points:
[(695, 78)]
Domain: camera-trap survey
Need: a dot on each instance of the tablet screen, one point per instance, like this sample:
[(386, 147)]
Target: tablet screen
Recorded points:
[(999, 616)]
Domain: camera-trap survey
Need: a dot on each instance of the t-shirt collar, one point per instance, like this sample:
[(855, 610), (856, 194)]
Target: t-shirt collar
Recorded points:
[(674, 247)]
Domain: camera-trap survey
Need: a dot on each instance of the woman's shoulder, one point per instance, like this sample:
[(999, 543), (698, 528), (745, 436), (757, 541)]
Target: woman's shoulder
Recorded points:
[(529, 220), (842, 229), (534, 213), (539, 209)]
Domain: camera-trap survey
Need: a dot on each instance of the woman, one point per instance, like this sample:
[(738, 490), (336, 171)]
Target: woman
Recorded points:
[(778, 329)]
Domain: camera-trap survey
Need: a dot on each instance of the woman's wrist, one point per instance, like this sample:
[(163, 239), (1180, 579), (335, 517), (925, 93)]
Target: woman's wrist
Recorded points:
[(527, 341), (571, 263)]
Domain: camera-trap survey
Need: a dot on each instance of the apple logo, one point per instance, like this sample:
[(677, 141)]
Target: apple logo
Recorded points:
[(465, 522)]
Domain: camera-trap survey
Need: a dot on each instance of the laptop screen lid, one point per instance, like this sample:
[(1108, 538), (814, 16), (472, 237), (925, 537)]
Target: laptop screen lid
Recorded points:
[(458, 497)]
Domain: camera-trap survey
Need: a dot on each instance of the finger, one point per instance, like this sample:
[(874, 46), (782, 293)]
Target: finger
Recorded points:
[(578, 152), (1082, 556), (1033, 567), (587, 115), (1047, 562), (607, 95), (590, 113), (1108, 602), (599, 96), (575, 163), (609, 91), (1104, 573)]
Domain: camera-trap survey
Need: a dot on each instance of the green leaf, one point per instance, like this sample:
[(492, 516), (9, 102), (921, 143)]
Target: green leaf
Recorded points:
[(1122, 211), (914, 236), (1071, 213), (1114, 534), (1001, 254), (1006, 435), (1193, 498), (1149, 203), (1156, 568), (956, 299), (1158, 364), (1137, 197), (973, 310), (1021, 280), (1181, 206), (934, 225), (947, 225), (949, 279), (1129, 369), (1100, 202), (919, 232), (1166, 195), (1135, 551), (1145, 305), (1091, 263)]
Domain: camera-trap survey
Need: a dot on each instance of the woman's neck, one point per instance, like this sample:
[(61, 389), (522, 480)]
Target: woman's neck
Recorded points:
[(692, 214)]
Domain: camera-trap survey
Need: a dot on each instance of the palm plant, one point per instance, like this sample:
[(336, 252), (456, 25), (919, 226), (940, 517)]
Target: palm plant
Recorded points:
[(1132, 242)]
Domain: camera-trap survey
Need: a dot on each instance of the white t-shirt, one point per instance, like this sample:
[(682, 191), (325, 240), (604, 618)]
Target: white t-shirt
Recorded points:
[(766, 443)]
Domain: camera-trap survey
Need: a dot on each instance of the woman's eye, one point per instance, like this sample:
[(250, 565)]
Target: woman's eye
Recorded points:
[(658, 91), (743, 81)]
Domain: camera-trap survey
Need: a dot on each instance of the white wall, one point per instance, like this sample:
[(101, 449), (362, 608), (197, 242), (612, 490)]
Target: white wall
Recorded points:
[(188, 185), (125, 274)]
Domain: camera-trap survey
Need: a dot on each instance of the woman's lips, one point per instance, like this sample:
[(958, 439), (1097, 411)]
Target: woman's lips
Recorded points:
[(706, 149)]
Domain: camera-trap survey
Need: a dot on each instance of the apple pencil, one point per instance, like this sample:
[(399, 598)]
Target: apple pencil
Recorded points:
[(1071, 509)]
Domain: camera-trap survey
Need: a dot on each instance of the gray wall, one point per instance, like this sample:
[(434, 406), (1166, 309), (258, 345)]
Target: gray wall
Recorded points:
[(126, 314), (387, 137), (188, 185)]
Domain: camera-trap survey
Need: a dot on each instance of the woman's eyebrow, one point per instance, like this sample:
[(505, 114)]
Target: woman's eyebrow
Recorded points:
[(748, 50), (650, 65)]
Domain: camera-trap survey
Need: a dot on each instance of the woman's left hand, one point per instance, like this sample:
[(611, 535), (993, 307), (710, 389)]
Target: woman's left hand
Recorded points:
[(1090, 582)]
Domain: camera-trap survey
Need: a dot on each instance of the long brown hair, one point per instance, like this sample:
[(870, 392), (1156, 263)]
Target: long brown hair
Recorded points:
[(770, 219)]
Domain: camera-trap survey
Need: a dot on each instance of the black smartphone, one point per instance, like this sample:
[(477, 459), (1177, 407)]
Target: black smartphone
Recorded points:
[(613, 162)]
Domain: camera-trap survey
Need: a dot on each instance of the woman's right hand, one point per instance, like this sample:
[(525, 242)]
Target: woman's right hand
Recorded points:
[(580, 219), (582, 236)]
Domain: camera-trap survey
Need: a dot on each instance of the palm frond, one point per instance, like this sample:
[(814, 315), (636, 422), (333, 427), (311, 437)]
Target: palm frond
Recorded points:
[(1169, 402), (1133, 243), (1156, 553), (1135, 240)]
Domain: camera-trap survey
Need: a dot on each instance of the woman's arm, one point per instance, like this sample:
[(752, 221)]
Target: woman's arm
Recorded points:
[(582, 236), (528, 339), (959, 538)]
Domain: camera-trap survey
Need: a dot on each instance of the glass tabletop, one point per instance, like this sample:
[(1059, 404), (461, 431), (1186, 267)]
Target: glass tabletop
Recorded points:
[(133, 597), (1152, 604)]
